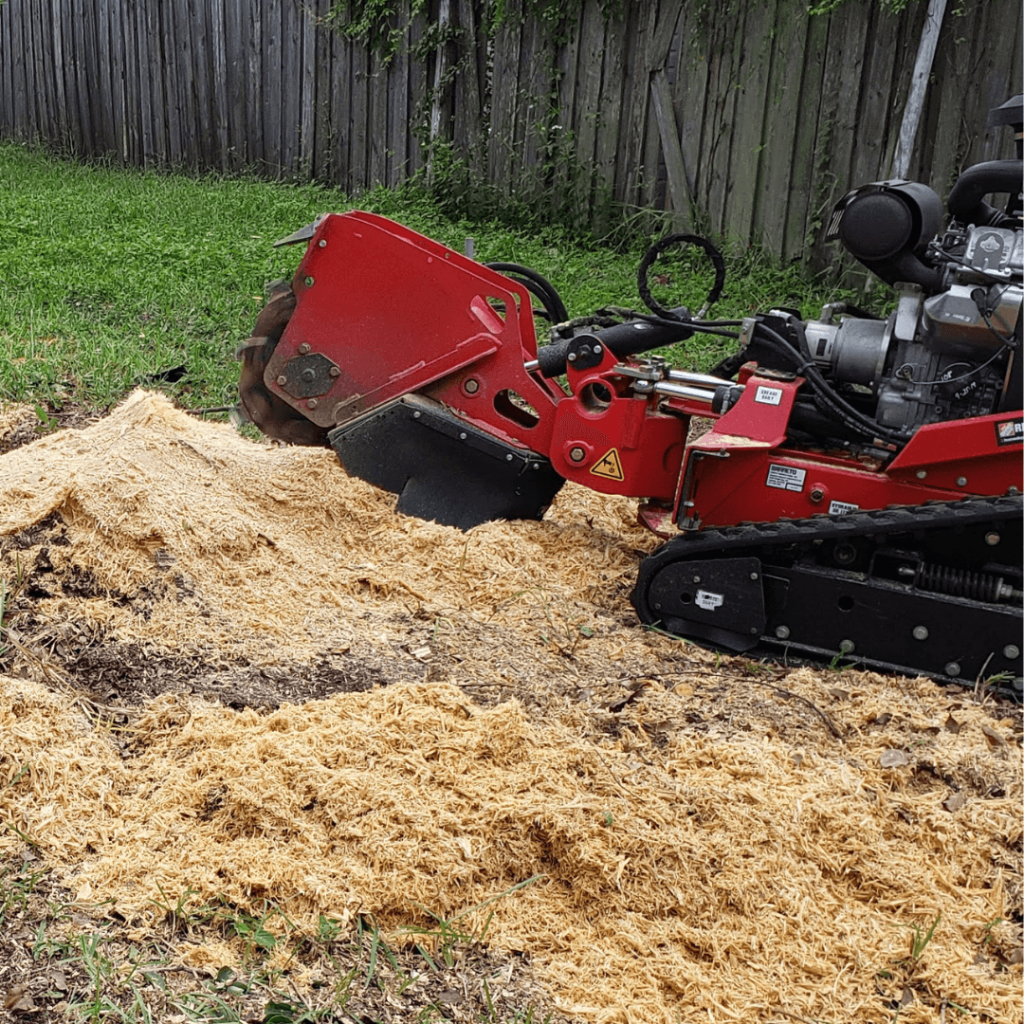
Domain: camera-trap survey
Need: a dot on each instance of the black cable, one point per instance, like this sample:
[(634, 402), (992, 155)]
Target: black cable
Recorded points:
[(657, 249), (827, 399), (543, 288)]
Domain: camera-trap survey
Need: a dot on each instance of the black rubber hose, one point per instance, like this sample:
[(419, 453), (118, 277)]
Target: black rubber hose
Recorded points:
[(538, 285), (826, 398), (965, 200), (666, 243)]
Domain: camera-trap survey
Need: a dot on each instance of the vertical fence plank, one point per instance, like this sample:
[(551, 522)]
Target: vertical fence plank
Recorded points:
[(781, 116), (689, 96), (418, 88), (561, 135), (218, 65), (503, 100), (255, 134), (398, 114), (236, 66), (291, 85), (468, 133), (341, 118), (801, 214), (321, 166), (270, 25), (588, 93), (358, 112), (6, 67), (837, 119), (377, 127), (158, 89)]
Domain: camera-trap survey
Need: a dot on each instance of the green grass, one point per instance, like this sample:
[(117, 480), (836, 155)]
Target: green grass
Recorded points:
[(108, 276)]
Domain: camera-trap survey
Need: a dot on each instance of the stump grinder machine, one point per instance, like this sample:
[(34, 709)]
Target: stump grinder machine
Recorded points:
[(858, 493)]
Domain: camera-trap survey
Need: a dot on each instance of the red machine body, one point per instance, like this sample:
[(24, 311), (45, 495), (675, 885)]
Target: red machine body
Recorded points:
[(855, 492)]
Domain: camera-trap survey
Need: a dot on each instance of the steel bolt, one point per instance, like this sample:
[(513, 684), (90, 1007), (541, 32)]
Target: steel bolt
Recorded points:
[(657, 607), (921, 474), (508, 458), (309, 282), (817, 494), (416, 415), (304, 349), (571, 357), (322, 243), (753, 575), (953, 669), (334, 371), (472, 386), (462, 436), (577, 454), (920, 632), (696, 579), (845, 646), (1011, 651), (753, 630), (782, 632), (992, 539), (312, 403), (282, 380), (597, 350), (961, 481)]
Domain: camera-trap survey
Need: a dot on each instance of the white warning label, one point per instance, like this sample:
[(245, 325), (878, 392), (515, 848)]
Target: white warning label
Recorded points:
[(708, 601), (767, 396), (786, 478), (841, 508)]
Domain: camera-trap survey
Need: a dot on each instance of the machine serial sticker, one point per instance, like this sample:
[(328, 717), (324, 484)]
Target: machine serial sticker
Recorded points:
[(609, 467), (708, 601), (841, 508), (786, 478), (1010, 431), (767, 396)]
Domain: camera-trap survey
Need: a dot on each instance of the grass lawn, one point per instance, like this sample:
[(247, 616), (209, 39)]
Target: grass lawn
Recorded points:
[(109, 278)]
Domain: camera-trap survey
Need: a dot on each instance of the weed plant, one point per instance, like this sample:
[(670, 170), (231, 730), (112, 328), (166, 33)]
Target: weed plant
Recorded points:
[(111, 279)]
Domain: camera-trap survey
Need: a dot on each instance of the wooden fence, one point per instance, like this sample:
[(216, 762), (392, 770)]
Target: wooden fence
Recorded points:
[(746, 117)]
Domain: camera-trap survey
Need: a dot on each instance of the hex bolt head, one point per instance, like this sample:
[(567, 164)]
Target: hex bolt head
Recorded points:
[(920, 632), (782, 632), (571, 357), (598, 350), (416, 415), (816, 494), (992, 539), (921, 474), (961, 481), (312, 403), (462, 435), (657, 607), (952, 669), (846, 646), (753, 576), (335, 371), (696, 579), (508, 458), (304, 349), (282, 380), (577, 454), (1011, 651), (472, 386), (322, 243)]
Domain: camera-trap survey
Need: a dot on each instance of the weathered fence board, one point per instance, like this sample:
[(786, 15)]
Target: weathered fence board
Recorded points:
[(749, 123)]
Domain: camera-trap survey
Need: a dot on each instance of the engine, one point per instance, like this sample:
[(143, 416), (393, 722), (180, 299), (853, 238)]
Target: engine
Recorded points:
[(947, 352)]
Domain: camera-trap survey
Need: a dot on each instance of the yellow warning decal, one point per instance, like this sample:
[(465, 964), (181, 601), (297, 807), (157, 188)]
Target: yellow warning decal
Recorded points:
[(610, 466)]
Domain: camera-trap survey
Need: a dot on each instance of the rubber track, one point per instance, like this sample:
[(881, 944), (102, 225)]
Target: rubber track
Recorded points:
[(754, 538)]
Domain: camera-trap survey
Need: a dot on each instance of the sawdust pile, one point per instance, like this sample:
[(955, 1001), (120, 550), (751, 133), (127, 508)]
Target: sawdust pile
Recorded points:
[(691, 870)]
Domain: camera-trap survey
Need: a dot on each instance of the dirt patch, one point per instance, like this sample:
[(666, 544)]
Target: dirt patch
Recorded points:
[(235, 677)]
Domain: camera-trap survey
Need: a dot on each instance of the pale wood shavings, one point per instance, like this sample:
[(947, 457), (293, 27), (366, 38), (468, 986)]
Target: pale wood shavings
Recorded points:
[(714, 846)]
